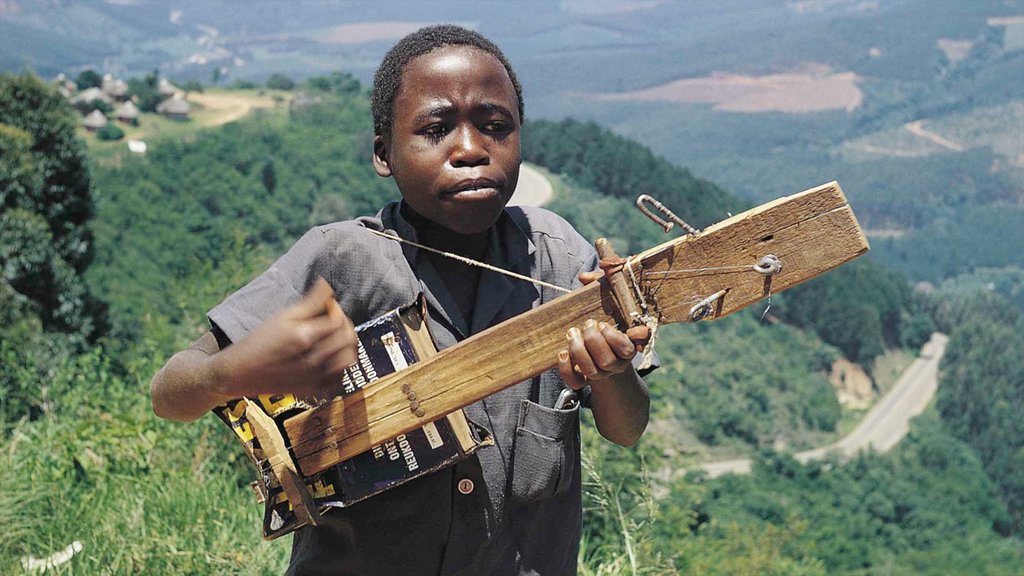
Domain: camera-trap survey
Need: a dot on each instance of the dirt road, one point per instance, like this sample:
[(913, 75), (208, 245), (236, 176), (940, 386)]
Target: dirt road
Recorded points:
[(227, 107), (885, 424), (533, 189)]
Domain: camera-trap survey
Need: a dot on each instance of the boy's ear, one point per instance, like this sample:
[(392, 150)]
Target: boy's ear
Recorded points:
[(380, 157)]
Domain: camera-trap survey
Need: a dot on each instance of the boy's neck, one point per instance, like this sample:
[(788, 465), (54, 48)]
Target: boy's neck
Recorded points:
[(438, 237)]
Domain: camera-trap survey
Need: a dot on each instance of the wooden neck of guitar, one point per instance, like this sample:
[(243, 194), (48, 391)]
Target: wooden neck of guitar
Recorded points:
[(810, 233), (475, 368)]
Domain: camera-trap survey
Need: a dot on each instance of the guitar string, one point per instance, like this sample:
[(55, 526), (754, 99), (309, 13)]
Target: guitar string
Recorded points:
[(470, 261), (663, 275)]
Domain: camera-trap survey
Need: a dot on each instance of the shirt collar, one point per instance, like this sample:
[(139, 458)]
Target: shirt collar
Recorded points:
[(509, 248)]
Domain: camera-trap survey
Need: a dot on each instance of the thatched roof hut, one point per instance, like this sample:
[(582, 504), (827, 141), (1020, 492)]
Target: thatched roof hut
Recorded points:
[(116, 89), (95, 120), (174, 107), (90, 94), (165, 88), (127, 112)]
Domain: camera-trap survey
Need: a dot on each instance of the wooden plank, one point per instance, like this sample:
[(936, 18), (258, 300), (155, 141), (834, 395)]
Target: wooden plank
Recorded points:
[(273, 446), (810, 232)]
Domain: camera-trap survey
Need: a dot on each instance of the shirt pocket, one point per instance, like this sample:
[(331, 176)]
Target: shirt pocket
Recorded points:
[(545, 454)]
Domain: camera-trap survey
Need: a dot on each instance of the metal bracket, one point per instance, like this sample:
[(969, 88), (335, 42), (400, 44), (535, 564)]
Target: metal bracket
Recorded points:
[(643, 199)]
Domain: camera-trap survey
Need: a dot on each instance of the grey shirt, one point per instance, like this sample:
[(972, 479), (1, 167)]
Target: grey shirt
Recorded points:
[(523, 514)]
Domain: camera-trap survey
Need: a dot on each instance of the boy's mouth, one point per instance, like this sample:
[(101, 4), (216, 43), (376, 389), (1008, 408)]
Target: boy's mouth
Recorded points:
[(476, 189)]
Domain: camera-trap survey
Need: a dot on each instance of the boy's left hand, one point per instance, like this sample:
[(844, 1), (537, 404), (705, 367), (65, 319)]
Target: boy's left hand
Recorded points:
[(596, 352)]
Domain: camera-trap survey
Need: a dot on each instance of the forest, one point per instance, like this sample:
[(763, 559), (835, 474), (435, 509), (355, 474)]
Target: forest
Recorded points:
[(110, 262)]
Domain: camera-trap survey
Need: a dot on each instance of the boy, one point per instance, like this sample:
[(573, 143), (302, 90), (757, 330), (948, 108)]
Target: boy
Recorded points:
[(447, 116)]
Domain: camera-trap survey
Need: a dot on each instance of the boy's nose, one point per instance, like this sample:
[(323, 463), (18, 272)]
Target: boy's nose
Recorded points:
[(469, 149)]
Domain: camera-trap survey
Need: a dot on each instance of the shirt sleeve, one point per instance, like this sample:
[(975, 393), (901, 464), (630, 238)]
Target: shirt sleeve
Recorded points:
[(282, 285)]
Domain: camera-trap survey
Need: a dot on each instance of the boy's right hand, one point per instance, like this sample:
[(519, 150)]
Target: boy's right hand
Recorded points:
[(301, 350)]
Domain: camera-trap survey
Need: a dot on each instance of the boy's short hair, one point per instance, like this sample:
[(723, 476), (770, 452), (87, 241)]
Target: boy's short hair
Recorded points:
[(388, 77)]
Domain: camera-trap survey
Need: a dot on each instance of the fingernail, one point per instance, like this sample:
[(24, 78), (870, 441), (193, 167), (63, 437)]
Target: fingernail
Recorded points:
[(573, 334), (602, 325), (589, 324), (563, 355)]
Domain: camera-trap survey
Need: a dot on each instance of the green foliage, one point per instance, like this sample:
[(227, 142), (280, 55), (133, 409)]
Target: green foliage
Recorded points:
[(278, 81), (251, 184), (620, 513), (614, 166), (1008, 282), (47, 200), (64, 199), (19, 177), (94, 104), (981, 393), (191, 86), (144, 91), (339, 83), (735, 381), (88, 78), (976, 237), (928, 498), (110, 132), (142, 495), (859, 308)]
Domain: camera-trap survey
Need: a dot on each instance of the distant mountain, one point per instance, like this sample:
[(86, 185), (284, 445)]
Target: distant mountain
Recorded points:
[(915, 106)]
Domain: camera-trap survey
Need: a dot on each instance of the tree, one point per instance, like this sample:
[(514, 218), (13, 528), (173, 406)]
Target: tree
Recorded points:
[(64, 199), (110, 132), (89, 78), (145, 91), (340, 83), (46, 201), (279, 81)]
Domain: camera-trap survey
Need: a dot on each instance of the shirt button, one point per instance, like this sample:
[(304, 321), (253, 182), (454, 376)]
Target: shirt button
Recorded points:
[(465, 486)]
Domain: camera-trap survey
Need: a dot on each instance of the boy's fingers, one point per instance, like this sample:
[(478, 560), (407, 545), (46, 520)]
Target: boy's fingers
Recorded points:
[(600, 352), (588, 277), (571, 379), (334, 352), (335, 313), (312, 331), (580, 356), (315, 302), (618, 341)]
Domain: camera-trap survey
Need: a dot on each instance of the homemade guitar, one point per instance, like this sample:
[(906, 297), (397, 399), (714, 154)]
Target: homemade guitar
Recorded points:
[(706, 274)]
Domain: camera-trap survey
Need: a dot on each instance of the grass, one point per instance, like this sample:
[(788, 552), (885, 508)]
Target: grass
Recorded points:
[(888, 367), (141, 494)]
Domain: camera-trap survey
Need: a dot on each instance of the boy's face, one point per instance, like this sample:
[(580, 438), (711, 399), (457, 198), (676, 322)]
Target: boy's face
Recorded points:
[(454, 144)]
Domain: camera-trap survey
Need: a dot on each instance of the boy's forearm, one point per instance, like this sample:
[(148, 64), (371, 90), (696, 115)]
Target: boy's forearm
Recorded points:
[(621, 407), (187, 386)]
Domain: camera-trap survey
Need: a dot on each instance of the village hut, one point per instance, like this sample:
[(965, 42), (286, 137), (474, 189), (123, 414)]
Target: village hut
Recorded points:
[(89, 94), (65, 86), (127, 113), (95, 121), (116, 89), (165, 88), (174, 107)]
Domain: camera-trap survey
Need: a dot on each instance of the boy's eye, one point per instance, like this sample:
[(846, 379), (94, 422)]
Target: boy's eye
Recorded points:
[(496, 126), (434, 131)]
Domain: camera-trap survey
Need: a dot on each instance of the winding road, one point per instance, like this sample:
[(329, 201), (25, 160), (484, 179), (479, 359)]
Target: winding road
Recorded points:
[(884, 425), (533, 188)]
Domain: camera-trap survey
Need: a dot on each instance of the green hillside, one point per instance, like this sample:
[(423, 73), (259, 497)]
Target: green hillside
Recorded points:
[(194, 219)]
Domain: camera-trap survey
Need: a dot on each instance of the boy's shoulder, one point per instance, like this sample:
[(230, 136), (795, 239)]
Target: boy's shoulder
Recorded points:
[(541, 223)]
